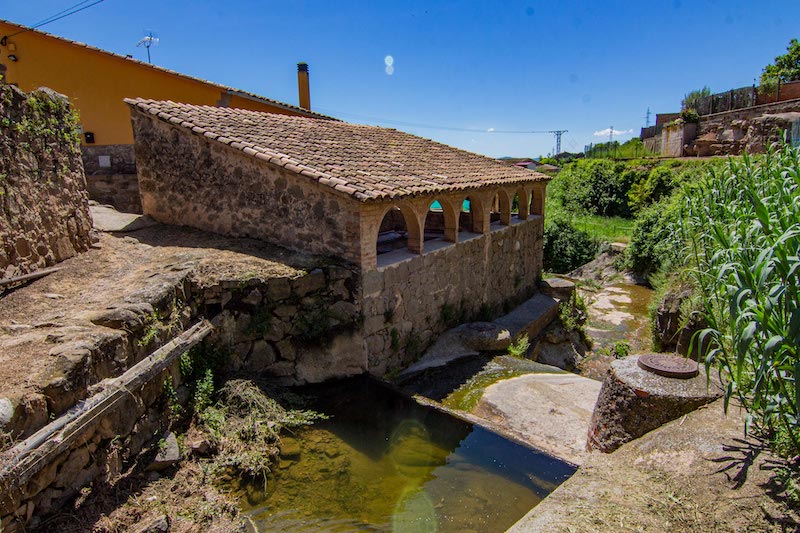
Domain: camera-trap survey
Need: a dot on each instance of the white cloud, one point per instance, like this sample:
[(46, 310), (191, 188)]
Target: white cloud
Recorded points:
[(606, 132), (490, 130)]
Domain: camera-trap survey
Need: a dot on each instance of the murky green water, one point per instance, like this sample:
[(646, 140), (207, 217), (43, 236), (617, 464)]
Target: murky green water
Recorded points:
[(384, 463), (467, 396)]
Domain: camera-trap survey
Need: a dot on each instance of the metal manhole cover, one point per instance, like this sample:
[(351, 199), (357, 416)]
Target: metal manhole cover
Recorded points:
[(670, 366)]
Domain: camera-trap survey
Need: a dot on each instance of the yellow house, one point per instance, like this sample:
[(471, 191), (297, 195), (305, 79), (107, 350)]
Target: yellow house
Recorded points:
[(97, 81)]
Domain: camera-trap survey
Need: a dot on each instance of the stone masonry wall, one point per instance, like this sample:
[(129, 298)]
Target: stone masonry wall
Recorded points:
[(44, 210), (188, 180), (296, 329), (407, 304), (118, 190)]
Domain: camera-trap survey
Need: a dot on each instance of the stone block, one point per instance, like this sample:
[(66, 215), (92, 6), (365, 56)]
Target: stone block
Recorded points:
[(279, 289), (373, 282), (286, 350), (168, 453), (311, 282), (254, 297), (261, 356)]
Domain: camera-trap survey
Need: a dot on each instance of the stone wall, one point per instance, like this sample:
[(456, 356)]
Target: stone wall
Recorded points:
[(674, 139), (407, 304), (751, 129), (295, 329), (108, 159), (118, 190), (189, 180), (44, 209)]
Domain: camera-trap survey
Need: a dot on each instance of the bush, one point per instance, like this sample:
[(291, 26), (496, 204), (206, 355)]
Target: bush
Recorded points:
[(743, 223), (658, 184), (566, 247), (597, 186), (655, 243)]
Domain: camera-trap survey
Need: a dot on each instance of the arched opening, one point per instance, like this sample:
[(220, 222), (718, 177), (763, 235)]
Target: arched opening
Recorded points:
[(441, 222), (393, 232), (472, 217), (399, 235), (523, 204)]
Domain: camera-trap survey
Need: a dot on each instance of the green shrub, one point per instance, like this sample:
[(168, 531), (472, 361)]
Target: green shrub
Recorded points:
[(520, 347), (743, 224), (655, 243), (658, 184), (566, 247)]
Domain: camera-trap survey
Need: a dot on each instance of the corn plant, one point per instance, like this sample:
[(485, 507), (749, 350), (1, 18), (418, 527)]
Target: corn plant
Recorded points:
[(742, 226)]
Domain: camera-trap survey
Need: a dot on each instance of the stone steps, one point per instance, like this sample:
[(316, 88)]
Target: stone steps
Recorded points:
[(530, 317)]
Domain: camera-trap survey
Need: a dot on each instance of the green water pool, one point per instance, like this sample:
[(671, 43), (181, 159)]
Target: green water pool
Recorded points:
[(384, 463)]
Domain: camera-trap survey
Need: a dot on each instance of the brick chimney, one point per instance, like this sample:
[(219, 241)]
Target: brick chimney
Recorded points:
[(302, 86)]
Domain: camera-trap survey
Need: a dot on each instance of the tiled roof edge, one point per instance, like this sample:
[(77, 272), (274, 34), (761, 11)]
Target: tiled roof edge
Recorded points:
[(258, 152), (145, 106)]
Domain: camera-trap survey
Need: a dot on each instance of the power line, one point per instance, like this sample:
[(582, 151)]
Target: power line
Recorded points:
[(427, 126), (58, 16)]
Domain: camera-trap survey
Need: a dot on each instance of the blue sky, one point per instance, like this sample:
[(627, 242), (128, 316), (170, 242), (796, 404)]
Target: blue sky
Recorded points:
[(475, 65)]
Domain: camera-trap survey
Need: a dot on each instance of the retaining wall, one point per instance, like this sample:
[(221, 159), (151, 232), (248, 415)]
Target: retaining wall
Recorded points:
[(44, 209), (294, 329), (408, 303)]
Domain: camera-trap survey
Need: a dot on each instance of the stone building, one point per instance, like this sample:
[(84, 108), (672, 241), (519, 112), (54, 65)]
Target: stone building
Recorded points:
[(435, 231)]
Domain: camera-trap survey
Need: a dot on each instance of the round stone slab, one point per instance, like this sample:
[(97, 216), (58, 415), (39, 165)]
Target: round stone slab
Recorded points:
[(669, 366)]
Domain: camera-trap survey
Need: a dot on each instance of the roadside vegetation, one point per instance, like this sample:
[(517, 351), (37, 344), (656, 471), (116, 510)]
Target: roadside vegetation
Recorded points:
[(600, 200)]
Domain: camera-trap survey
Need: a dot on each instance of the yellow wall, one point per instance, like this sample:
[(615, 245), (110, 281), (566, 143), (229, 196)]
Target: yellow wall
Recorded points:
[(97, 82)]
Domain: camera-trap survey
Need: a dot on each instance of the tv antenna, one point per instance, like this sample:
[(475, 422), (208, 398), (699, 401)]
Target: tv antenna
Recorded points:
[(151, 39), (647, 118)]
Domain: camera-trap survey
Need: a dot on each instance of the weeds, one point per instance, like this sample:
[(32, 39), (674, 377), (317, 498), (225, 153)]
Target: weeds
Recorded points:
[(413, 346), (619, 350), (245, 423), (520, 347), (151, 330)]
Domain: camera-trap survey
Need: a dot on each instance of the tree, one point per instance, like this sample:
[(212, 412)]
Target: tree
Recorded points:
[(692, 100), (786, 67)]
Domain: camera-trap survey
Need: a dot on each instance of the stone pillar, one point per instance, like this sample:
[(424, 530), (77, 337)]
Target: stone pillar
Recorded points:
[(451, 210), (634, 401), (537, 204), (480, 207), (414, 223), (371, 218), (505, 207), (523, 197)]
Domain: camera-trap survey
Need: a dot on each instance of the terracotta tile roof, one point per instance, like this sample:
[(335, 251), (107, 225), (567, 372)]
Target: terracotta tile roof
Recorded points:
[(366, 162), (229, 90)]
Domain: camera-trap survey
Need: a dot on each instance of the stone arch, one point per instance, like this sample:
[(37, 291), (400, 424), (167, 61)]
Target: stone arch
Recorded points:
[(398, 228), (477, 216), (441, 219)]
